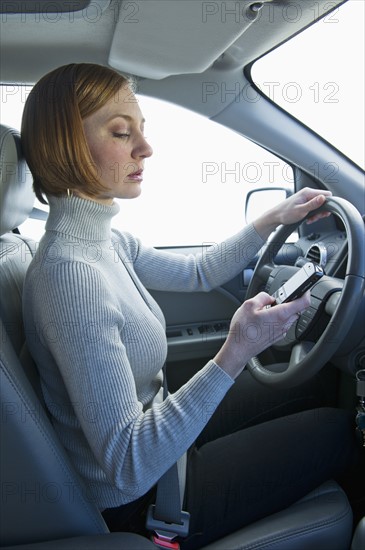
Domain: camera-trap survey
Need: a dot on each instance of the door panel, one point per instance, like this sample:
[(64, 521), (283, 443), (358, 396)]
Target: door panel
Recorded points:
[(197, 323)]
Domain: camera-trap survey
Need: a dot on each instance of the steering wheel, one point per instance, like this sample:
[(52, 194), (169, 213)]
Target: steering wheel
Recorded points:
[(334, 302)]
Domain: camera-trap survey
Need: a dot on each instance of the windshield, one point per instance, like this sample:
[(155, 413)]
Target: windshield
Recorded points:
[(318, 77)]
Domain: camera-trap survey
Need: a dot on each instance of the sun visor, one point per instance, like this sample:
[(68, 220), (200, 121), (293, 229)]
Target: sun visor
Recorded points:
[(160, 38), (54, 9)]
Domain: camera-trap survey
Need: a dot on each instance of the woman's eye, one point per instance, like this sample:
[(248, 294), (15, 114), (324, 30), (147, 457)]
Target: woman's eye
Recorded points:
[(120, 135)]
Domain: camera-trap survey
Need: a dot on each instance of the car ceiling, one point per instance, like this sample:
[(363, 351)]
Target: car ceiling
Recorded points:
[(174, 47)]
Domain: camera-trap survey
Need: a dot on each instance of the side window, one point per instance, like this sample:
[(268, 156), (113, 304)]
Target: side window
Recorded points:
[(196, 182)]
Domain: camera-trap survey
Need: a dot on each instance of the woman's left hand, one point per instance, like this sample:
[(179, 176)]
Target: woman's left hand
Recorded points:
[(296, 207), (292, 210)]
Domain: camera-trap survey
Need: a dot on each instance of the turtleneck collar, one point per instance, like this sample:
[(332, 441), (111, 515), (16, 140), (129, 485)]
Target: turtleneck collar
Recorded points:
[(80, 218)]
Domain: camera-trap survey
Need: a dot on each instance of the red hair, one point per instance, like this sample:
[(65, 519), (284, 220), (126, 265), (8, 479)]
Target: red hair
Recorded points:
[(53, 138)]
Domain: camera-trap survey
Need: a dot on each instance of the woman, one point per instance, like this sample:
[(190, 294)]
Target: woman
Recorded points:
[(100, 337)]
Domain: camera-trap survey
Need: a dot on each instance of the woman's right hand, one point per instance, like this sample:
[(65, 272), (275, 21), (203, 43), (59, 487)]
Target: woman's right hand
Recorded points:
[(255, 327)]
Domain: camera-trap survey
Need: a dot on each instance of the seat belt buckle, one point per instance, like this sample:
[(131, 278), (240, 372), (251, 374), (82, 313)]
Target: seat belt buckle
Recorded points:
[(164, 544), (165, 532)]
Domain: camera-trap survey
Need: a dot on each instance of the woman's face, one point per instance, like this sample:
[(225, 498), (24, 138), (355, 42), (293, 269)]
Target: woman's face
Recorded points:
[(115, 137)]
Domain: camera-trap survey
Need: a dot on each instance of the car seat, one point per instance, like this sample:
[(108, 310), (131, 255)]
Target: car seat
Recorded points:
[(44, 502), (358, 542)]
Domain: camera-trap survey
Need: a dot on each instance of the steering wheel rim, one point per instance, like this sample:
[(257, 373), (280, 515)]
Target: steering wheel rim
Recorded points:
[(305, 362)]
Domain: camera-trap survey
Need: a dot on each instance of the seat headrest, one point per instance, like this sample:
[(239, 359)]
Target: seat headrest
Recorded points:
[(16, 193)]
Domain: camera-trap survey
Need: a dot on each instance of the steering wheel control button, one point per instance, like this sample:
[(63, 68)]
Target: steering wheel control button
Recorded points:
[(303, 324)]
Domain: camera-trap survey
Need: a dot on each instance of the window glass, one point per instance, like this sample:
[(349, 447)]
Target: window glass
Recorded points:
[(196, 182), (318, 76)]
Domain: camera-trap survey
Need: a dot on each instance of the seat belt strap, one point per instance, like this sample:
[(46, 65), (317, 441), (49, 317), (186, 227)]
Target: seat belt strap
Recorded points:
[(165, 517), (168, 498)]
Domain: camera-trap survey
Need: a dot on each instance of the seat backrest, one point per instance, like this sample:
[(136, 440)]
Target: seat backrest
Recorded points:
[(42, 496)]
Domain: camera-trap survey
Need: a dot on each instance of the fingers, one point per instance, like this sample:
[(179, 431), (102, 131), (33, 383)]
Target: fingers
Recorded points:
[(310, 193), (311, 199), (313, 203), (317, 217), (254, 328), (278, 319), (284, 315), (292, 310), (264, 301), (261, 300), (300, 205)]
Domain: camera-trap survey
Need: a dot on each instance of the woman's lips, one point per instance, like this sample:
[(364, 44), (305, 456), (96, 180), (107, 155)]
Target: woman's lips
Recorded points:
[(136, 176)]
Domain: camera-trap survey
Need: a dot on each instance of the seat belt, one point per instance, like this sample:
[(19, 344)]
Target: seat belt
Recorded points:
[(165, 518)]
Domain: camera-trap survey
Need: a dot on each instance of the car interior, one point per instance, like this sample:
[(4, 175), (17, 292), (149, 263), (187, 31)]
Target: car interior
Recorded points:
[(188, 53)]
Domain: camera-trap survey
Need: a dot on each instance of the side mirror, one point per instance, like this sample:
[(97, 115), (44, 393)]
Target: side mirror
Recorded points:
[(260, 200)]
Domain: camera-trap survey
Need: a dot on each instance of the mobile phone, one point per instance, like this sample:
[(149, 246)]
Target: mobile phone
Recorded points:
[(299, 283)]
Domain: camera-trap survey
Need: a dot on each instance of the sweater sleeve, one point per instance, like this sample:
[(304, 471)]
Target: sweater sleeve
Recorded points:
[(210, 267), (133, 447)]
